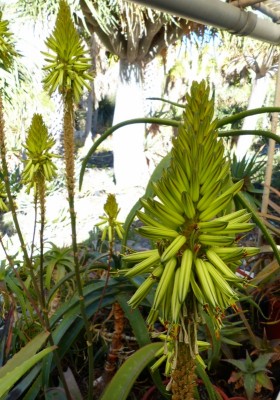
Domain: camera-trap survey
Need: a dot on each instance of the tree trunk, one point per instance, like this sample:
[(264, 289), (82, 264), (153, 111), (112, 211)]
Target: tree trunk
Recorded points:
[(130, 165), (256, 100)]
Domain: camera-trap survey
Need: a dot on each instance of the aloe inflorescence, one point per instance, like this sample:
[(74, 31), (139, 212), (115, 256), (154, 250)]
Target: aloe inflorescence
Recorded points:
[(110, 224), (67, 67), (196, 237), (39, 165), (7, 49)]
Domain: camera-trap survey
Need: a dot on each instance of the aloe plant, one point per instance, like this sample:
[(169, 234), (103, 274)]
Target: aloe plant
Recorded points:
[(22, 362), (252, 373), (187, 213)]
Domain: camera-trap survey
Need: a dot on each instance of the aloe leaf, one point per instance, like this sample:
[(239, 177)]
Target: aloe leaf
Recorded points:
[(49, 273), (230, 342), (265, 274), (264, 380), (122, 382), (31, 381), (249, 385), (71, 324), (215, 349), (261, 362), (206, 381), (240, 364), (12, 283), (141, 334), (22, 361)]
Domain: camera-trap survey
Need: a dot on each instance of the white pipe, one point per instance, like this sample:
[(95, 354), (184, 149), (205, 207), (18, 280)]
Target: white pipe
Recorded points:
[(221, 15)]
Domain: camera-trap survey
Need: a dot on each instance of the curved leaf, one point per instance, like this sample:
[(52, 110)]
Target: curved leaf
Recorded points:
[(141, 334), (68, 315), (108, 132), (122, 382), (22, 361), (167, 101), (250, 385), (244, 114), (206, 381), (29, 382), (236, 132)]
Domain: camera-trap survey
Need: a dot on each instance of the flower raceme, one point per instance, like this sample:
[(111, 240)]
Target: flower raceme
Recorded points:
[(39, 163), (67, 65), (109, 223), (196, 252)]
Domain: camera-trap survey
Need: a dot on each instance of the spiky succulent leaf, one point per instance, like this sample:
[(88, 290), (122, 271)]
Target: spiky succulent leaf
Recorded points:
[(264, 380), (261, 362)]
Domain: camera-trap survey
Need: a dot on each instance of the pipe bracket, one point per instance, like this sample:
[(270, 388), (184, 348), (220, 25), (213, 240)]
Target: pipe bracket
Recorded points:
[(246, 24)]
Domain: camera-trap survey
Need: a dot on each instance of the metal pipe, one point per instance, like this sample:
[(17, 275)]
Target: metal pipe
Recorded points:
[(220, 15)]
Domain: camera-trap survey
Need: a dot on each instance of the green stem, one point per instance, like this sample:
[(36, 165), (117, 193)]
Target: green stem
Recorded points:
[(108, 132), (244, 114), (34, 228), (236, 132), (171, 122), (70, 178), (167, 101), (206, 381)]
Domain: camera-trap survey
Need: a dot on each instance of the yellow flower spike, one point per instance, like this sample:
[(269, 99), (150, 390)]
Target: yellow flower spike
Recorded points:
[(38, 165), (3, 195), (7, 49), (67, 68), (112, 226), (190, 225)]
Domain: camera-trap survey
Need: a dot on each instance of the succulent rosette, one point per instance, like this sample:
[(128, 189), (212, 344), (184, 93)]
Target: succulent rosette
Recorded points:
[(193, 225)]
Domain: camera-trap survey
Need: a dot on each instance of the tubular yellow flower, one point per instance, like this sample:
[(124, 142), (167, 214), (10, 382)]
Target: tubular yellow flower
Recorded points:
[(67, 65), (189, 223), (39, 164)]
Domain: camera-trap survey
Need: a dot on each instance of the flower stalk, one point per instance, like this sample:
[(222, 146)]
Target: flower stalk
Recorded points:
[(66, 71)]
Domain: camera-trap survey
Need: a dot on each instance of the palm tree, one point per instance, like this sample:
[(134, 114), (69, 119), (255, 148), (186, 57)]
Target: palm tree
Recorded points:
[(136, 35)]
